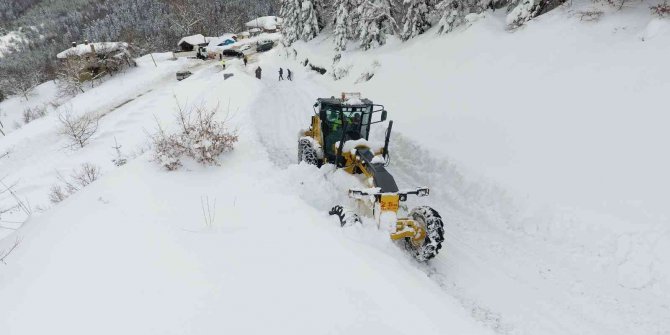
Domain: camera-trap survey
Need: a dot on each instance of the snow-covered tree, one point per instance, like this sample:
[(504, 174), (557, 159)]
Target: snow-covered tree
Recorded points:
[(291, 28), (340, 25), (343, 22), (416, 19), (524, 11), (18, 75), (376, 21), (309, 21), (323, 12), (452, 13)]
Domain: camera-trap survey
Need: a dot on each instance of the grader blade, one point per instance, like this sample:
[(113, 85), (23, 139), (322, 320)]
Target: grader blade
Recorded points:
[(346, 217)]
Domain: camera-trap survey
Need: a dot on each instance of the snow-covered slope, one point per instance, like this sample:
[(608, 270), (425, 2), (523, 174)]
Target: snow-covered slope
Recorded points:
[(542, 147), (132, 252), (547, 142)]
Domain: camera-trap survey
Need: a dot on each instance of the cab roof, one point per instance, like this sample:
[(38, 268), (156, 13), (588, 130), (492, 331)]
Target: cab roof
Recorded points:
[(355, 102)]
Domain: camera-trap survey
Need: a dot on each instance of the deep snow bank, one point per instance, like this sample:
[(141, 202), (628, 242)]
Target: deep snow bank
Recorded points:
[(543, 146)]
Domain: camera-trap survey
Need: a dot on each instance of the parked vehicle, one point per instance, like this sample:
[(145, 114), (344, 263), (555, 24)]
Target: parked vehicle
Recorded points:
[(264, 46), (202, 53), (245, 47), (181, 75), (232, 53)]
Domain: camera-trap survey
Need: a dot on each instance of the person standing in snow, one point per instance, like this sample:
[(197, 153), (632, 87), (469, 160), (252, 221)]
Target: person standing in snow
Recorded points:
[(289, 75), (258, 72), (281, 74), (223, 63), (245, 61)]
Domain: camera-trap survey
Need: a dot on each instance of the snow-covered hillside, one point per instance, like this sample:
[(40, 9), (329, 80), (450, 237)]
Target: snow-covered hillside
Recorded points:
[(543, 148), (560, 126), (133, 251)]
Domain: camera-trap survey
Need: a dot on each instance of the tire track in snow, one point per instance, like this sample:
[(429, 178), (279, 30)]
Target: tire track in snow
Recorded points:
[(289, 105)]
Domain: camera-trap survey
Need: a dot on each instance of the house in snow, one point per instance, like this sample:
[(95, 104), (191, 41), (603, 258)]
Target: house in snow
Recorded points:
[(268, 24), (92, 60), (190, 43), (253, 32)]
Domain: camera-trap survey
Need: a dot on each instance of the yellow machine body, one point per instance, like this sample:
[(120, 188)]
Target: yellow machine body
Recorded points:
[(381, 194)]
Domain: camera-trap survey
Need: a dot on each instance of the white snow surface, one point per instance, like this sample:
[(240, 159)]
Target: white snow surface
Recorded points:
[(43, 96), (543, 149), (82, 49), (132, 251), (353, 101), (350, 145), (264, 22)]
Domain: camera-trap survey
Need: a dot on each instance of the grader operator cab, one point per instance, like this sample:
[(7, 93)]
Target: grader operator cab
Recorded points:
[(339, 135)]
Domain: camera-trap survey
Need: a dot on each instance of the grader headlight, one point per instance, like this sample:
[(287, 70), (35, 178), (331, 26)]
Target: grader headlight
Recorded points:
[(422, 192)]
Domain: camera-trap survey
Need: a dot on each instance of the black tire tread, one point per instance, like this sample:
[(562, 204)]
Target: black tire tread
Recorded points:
[(307, 153), (434, 233)]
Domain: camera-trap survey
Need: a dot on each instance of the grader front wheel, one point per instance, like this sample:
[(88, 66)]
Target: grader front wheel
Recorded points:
[(307, 152), (431, 221)]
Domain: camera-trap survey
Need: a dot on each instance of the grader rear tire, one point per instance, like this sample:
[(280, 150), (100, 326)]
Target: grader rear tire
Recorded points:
[(307, 153), (432, 222)]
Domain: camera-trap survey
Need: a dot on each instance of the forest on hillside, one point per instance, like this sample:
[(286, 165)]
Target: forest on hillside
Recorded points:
[(49, 26)]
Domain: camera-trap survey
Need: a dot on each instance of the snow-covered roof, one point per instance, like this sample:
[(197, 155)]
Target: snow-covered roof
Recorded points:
[(100, 47), (354, 101), (194, 39), (350, 145), (265, 22)]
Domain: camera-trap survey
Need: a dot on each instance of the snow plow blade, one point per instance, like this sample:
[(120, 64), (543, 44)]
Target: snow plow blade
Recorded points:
[(346, 217)]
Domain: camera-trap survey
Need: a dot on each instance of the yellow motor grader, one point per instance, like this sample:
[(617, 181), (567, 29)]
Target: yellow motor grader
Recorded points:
[(338, 135)]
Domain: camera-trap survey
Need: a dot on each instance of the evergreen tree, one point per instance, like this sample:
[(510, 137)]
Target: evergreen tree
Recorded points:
[(321, 12), (376, 21), (309, 21), (523, 12), (416, 20), (451, 13), (291, 28), (344, 20)]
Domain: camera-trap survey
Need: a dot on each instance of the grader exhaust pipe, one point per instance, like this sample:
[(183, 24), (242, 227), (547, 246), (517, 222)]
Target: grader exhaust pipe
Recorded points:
[(386, 141)]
